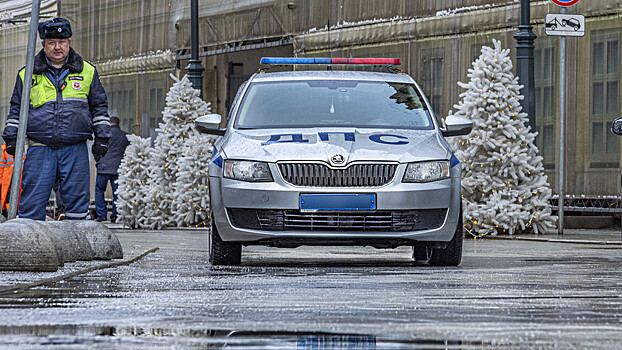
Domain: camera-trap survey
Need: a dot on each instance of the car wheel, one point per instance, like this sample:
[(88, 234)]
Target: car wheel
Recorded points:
[(452, 254), (553, 27), (221, 252)]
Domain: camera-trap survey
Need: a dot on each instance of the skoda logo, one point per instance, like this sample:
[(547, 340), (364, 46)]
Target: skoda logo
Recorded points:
[(337, 159)]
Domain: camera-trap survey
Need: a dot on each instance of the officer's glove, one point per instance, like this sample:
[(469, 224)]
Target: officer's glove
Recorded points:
[(99, 149), (10, 147)]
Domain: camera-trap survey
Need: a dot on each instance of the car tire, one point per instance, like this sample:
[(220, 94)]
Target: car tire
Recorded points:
[(221, 252), (553, 27), (451, 255)]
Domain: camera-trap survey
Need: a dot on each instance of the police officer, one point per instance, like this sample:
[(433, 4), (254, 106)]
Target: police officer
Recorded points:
[(67, 106)]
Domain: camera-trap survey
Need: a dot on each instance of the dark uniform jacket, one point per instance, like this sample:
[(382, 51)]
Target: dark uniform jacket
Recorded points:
[(109, 163), (66, 106)]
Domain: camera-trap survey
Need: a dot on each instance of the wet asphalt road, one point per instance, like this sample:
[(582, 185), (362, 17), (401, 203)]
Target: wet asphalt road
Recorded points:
[(505, 294)]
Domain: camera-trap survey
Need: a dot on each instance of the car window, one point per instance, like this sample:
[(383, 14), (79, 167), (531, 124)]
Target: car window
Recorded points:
[(333, 103)]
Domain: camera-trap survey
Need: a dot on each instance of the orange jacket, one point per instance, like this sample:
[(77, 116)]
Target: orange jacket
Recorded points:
[(6, 172)]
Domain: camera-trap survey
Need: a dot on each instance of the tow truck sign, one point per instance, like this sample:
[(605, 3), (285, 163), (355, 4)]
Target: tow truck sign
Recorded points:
[(564, 25)]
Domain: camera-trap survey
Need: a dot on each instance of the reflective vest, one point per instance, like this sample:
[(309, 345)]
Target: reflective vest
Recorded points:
[(77, 86)]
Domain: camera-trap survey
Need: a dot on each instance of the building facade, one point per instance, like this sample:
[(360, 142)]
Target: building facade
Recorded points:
[(137, 44)]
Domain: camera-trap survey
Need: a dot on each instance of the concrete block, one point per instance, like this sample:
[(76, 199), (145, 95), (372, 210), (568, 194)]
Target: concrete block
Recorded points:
[(74, 243), (41, 226), (76, 238), (26, 248), (105, 244)]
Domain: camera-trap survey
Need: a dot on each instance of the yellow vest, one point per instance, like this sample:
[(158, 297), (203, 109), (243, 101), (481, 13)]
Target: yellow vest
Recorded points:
[(78, 86)]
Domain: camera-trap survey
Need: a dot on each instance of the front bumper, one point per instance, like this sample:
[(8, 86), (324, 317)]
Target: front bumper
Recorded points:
[(232, 200)]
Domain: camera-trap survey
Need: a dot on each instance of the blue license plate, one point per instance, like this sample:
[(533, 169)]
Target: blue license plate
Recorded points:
[(316, 202)]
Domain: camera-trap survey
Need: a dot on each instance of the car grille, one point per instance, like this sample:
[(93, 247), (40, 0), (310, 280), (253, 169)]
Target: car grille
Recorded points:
[(321, 175), (294, 220)]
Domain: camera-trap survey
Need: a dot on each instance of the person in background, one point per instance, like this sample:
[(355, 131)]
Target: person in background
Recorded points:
[(107, 168), (68, 105)]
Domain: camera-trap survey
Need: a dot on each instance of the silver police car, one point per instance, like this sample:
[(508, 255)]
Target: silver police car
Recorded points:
[(330, 157)]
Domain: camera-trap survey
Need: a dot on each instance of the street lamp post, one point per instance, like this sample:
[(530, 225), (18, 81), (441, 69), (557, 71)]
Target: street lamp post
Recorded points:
[(24, 109), (194, 68), (525, 38)]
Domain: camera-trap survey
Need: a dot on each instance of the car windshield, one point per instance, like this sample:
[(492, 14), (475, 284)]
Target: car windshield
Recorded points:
[(347, 103)]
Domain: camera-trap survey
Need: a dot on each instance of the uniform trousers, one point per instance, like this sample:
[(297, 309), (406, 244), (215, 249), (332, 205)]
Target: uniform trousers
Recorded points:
[(42, 167)]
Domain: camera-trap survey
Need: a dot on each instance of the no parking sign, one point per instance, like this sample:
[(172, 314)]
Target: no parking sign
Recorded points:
[(565, 3)]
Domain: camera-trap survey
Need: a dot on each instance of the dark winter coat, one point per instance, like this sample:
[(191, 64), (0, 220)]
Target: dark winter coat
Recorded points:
[(109, 164), (60, 117)]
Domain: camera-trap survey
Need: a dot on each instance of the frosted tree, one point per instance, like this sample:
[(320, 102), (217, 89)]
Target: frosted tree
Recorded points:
[(191, 207), (133, 181), (183, 107), (504, 187)]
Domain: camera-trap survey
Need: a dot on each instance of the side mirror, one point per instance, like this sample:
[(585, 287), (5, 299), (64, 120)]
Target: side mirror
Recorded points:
[(457, 126), (616, 127), (210, 124)]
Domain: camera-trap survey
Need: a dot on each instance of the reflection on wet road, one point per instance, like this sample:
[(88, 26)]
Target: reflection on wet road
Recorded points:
[(506, 293)]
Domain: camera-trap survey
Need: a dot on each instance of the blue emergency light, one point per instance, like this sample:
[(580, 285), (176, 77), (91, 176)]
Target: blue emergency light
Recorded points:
[(327, 60)]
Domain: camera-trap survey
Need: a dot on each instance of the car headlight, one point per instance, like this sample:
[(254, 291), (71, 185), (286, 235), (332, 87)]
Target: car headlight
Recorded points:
[(247, 171), (426, 171)]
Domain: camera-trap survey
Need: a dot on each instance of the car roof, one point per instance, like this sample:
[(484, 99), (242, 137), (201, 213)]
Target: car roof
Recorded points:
[(332, 74)]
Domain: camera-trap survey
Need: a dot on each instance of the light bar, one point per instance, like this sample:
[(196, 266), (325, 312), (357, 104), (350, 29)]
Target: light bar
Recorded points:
[(326, 60)]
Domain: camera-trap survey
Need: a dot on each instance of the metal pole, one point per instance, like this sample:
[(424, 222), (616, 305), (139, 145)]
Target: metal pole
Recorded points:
[(562, 115), (23, 111), (194, 68), (525, 38)]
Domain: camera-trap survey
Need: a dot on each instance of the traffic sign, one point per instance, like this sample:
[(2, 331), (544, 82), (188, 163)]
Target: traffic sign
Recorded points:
[(564, 25), (565, 2)]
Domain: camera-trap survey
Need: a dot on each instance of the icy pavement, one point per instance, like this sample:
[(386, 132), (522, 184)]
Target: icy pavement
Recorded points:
[(506, 293)]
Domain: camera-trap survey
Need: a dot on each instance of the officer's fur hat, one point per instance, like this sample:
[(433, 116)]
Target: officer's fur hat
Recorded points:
[(58, 28)]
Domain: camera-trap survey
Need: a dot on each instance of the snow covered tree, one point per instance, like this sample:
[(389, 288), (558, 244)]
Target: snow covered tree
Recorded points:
[(504, 188), (183, 107), (133, 181), (191, 207)]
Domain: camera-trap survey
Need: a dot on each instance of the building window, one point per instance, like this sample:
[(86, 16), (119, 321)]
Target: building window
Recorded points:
[(156, 107), (545, 93), (432, 79), (121, 103), (605, 96), (476, 51)]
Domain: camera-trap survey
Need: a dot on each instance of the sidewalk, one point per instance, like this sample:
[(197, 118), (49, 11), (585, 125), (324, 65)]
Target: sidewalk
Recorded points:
[(572, 236)]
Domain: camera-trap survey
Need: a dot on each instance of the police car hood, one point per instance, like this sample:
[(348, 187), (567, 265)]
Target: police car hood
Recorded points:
[(322, 144)]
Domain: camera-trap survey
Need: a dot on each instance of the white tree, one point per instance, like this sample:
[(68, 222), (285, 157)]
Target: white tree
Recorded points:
[(183, 107), (504, 187), (191, 207), (133, 181)]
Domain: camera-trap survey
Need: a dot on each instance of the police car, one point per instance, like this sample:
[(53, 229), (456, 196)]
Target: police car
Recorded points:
[(334, 157)]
